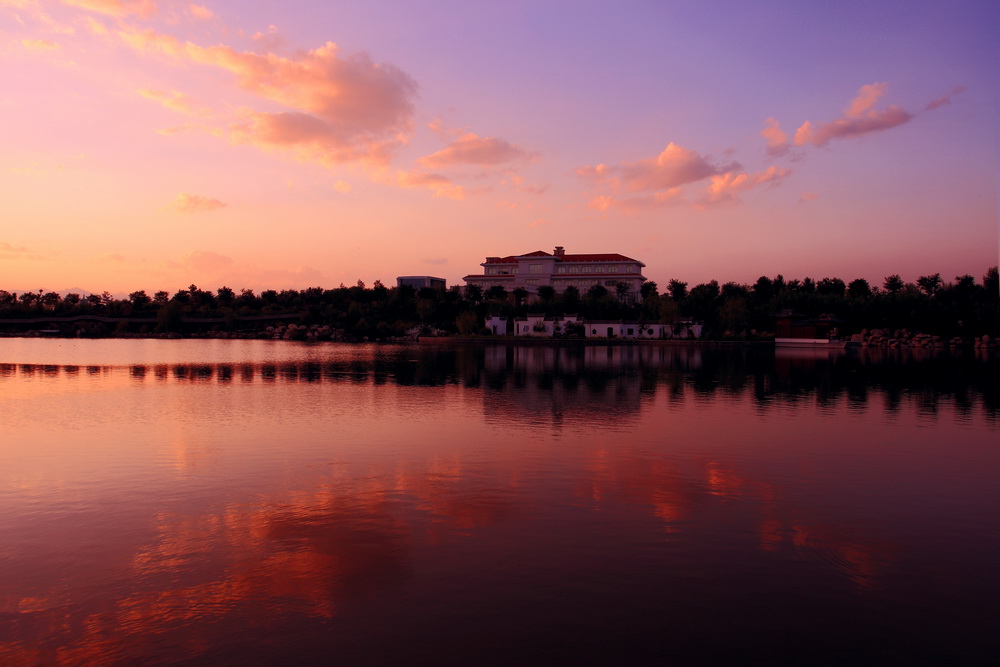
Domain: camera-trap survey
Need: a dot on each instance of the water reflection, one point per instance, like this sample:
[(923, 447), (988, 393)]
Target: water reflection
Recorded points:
[(608, 504), (622, 375)]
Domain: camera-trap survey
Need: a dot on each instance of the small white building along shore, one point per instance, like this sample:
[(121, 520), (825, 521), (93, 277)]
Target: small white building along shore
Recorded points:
[(542, 326)]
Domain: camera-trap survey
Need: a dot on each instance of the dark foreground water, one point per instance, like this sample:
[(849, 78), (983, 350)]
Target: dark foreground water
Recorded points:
[(238, 502)]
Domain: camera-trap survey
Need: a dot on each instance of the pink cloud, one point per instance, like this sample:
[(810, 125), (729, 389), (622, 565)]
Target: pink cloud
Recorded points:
[(116, 7), (206, 261), (472, 149), (200, 13), (860, 118), (865, 99), (341, 108), (185, 203), (441, 185), (673, 167), (643, 202), (726, 188), (808, 196), (777, 140), (945, 99)]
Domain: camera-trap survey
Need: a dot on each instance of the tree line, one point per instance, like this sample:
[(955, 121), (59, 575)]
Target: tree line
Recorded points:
[(962, 307)]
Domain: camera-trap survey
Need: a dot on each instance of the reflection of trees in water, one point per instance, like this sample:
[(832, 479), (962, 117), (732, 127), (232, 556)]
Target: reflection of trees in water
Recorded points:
[(619, 374)]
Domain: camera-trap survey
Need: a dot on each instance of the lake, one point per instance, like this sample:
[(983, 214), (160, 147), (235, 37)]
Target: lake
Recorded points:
[(263, 502)]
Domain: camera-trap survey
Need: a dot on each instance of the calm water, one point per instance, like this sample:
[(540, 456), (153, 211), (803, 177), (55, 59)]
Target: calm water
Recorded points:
[(251, 502)]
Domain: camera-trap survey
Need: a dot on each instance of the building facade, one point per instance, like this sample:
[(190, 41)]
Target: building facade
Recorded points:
[(561, 270)]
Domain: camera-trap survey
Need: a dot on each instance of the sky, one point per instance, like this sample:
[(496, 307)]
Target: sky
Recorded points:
[(154, 144)]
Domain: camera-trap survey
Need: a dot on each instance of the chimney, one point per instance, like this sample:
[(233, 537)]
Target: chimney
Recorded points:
[(559, 251)]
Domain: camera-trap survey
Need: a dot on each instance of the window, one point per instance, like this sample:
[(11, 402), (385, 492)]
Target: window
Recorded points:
[(534, 268)]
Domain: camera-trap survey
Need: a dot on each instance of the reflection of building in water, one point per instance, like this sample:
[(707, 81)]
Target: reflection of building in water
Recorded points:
[(595, 384)]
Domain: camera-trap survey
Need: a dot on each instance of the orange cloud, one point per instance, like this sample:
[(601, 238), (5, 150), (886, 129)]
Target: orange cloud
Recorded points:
[(808, 196), (9, 251), (39, 44), (201, 13), (472, 149), (185, 203), (172, 100), (116, 7), (342, 108)]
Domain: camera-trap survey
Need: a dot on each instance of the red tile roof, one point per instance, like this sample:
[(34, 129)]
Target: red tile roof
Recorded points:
[(601, 257)]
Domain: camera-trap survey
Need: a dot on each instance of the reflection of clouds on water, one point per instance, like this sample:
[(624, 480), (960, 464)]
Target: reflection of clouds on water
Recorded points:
[(297, 492)]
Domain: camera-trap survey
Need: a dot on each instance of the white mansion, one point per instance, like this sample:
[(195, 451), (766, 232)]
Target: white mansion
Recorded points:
[(560, 270)]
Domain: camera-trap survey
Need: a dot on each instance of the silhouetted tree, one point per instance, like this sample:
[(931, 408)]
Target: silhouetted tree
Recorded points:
[(571, 298), (474, 292), (648, 287), (678, 290), (596, 292), (831, 287), (893, 283), (859, 288), (139, 299), (496, 293), (929, 285), (991, 283), (225, 295)]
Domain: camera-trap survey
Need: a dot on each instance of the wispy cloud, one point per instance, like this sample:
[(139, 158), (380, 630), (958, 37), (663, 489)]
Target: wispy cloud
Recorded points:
[(201, 13), (173, 100), (40, 44), (11, 251), (187, 203), (945, 99), (673, 167), (777, 140), (726, 188), (807, 197), (653, 182), (858, 119), (342, 108), (471, 149), (441, 185), (116, 7)]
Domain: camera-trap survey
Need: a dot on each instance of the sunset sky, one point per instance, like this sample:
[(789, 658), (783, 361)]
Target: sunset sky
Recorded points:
[(152, 144)]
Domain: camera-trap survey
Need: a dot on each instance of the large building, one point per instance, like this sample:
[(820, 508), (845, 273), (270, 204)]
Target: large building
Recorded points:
[(560, 270)]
